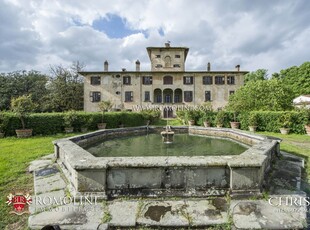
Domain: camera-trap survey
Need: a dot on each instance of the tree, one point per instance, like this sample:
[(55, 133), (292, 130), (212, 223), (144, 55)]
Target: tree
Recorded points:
[(18, 83), (65, 89), (22, 106), (262, 95), (260, 74), (298, 78)]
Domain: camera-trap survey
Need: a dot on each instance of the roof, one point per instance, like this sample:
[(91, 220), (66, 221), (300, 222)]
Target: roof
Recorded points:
[(163, 72)]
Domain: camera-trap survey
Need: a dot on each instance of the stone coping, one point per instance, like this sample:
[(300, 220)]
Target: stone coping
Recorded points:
[(80, 159)]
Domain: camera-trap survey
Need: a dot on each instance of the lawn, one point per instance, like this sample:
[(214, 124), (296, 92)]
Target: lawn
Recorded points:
[(16, 154)]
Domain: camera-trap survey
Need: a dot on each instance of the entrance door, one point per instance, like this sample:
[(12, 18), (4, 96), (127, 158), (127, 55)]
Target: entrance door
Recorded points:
[(168, 112)]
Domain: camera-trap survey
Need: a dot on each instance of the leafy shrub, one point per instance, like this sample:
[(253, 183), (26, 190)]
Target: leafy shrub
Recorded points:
[(151, 115), (69, 118), (52, 123)]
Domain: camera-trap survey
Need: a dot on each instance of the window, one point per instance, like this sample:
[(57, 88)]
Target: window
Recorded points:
[(208, 96), (177, 99), (176, 66), (158, 98), (168, 99), (188, 96), (95, 80), (147, 80), (167, 61), (219, 80), (157, 56), (177, 56), (159, 66), (231, 92), (168, 80), (230, 80), (95, 96), (188, 80), (147, 96), (207, 80), (128, 96), (127, 80)]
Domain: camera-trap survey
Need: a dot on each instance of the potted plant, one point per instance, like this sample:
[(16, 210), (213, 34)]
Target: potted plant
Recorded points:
[(220, 118), (69, 118), (190, 117), (3, 124), (181, 116), (87, 122), (207, 116), (252, 119), (22, 106), (235, 124), (307, 125), (285, 123), (103, 107)]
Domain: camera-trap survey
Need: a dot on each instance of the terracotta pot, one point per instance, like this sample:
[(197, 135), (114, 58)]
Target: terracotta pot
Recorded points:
[(252, 128), (69, 129), (284, 131), (235, 125), (307, 127), (191, 122), (206, 124), (101, 125), (23, 133), (219, 125), (84, 129), (1, 135)]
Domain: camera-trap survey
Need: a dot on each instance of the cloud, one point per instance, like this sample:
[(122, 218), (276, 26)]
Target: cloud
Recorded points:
[(256, 34)]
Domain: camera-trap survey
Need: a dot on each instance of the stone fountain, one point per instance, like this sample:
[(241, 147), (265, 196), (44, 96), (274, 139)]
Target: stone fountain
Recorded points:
[(167, 135)]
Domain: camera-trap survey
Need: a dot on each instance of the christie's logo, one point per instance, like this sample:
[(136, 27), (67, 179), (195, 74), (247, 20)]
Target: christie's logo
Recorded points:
[(20, 202)]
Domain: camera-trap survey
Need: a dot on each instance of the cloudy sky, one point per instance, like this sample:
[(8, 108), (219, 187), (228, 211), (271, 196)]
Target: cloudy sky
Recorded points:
[(270, 34)]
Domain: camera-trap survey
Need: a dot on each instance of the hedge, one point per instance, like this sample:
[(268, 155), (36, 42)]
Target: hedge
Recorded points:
[(269, 121), (52, 123)]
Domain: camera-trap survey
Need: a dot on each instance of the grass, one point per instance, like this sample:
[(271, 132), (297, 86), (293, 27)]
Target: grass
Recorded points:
[(15, 157), (296, 144)]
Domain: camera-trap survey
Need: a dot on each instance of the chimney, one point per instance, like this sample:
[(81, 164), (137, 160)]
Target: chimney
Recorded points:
[(209, 66), (167, 44), (237, 68), (106, 66), (124, 69), (137, 65)]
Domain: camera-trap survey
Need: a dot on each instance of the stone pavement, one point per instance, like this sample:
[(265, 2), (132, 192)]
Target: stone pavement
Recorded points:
[(282, 208)]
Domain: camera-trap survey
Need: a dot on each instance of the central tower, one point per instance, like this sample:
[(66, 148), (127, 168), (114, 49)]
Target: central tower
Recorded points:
[(167, 58)]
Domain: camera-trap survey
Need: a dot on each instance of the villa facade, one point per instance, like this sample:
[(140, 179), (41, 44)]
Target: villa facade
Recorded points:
[(166, 86)]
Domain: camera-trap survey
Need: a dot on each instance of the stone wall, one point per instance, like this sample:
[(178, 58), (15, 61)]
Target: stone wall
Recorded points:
[(166, 175)]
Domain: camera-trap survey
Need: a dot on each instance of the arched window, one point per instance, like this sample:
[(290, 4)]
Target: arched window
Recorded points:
[(167, 61), (168, 80)]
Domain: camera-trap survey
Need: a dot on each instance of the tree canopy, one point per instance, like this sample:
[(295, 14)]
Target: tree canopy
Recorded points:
[(261, 95), (298, 78), (62, 91), (260, 74)]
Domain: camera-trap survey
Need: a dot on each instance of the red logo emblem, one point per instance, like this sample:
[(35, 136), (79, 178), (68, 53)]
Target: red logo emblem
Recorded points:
[(20, 202)]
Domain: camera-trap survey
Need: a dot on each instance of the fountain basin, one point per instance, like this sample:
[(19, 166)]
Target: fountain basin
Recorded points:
[(158, 176)]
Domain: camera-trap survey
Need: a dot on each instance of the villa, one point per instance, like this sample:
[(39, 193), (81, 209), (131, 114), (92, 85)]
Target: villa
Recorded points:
[(166, 86)]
